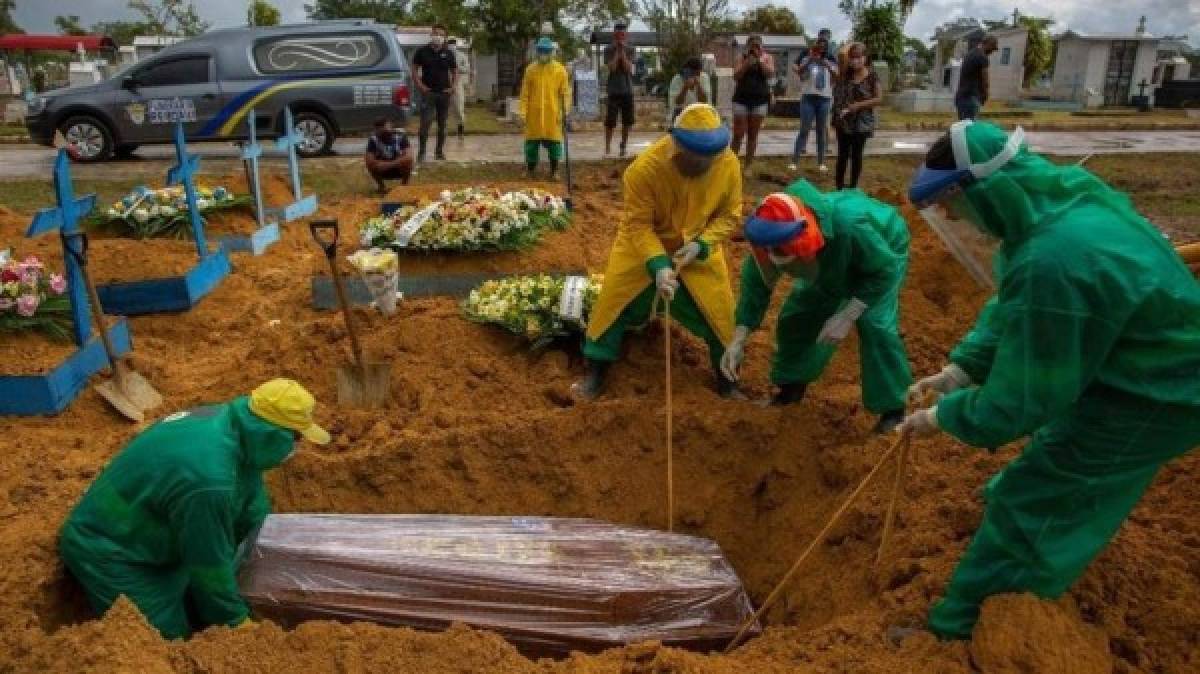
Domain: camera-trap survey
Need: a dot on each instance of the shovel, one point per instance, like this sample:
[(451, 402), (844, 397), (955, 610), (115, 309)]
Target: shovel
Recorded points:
[(570, 203), (128, 392), (361, 384)]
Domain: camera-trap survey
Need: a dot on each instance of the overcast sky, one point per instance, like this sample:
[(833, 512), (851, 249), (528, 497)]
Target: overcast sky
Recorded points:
[(1087, 16)]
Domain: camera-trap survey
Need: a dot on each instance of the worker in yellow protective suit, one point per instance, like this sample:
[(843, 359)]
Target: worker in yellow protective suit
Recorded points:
[(683, 198), (545, 96)]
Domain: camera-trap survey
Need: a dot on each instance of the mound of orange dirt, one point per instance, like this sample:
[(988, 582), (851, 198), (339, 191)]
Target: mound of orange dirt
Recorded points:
[(478, 425)]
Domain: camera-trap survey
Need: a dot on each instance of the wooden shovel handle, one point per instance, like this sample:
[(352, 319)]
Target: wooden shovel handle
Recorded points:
[(329, 246), (81, 259)]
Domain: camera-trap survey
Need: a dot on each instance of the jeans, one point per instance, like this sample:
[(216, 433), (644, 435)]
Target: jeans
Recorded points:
[(968, 108), (434, 102), (813, 108)]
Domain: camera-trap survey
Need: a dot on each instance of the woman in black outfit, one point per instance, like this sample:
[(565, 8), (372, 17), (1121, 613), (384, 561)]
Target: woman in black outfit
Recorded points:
[(751, 96), (855, 96)]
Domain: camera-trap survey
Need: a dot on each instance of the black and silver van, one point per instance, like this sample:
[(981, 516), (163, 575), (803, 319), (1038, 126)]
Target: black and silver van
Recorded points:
[(336, 76)]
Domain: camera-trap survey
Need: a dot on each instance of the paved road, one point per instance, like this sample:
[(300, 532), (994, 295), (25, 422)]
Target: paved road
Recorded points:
[(26, 161)]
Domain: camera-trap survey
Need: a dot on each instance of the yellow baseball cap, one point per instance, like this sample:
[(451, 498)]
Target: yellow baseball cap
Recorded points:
[(284, 402)]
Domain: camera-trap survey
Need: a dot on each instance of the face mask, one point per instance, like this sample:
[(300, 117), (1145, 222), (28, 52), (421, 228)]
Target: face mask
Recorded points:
[(543, 58), (437, 40)]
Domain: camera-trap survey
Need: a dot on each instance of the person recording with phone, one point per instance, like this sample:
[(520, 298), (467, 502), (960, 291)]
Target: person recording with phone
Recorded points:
[(751, 96), (690, 85), (817, 71)]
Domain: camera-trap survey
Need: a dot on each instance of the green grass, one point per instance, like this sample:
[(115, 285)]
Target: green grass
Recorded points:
[(1161, 185), (481, 120), (26, 196)]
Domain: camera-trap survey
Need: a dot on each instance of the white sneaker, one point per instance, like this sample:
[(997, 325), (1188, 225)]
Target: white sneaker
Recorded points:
[(793, 168), (823, 168)]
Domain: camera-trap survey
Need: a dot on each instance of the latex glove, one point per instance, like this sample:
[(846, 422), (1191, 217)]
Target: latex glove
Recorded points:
[(687, 255), (920, 423), (950, 379), (839, 324), (735, 353), (667, 281)]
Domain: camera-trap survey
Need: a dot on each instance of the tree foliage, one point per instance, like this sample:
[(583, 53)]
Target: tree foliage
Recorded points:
[(771, 19), (880, 27), (684, 27), (7, 24), (853, 8), (263, 13), (69, 25), (383, 11), (169, 17), (1039, 50), (923, 52), (507, 26), (122, 32)]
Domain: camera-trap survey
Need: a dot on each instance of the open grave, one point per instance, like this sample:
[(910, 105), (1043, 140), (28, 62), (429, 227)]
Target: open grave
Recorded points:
[(479, 425)]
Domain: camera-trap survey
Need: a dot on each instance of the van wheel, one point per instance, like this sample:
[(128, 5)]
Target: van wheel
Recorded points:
[(316, 134), (89, 138)]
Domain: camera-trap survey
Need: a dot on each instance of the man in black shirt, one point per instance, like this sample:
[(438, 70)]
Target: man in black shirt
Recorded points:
[(972, 91), (436, 74), (619, 58), (387, 155)]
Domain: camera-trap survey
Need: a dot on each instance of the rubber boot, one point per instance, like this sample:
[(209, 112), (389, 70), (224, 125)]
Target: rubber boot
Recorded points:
[(888, 421), (553, 169), (789, 393), (592, 385)]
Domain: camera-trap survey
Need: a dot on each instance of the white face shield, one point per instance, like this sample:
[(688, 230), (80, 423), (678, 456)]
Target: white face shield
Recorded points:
[(962, 155)]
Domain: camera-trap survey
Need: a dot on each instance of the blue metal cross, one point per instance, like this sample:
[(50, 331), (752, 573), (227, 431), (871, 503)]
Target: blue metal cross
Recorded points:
[(302, 206), (65, 218), (184, 172), (251, 152)]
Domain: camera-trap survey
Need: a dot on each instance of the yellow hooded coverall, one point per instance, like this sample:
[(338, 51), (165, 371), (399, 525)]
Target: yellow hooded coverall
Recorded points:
[(663, 211)]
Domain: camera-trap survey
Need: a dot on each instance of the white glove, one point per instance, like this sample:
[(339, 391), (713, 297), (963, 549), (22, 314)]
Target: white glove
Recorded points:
[(735, 353), (667, 281), (687, 255), (920, 423), (950, 379), (839, 324)]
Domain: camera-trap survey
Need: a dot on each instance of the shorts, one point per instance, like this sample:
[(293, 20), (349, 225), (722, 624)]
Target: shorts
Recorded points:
[(740, 110), (623, 104)]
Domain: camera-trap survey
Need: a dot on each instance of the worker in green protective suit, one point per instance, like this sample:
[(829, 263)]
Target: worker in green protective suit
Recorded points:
[(163, 521), (1091, 345), (848, 254)]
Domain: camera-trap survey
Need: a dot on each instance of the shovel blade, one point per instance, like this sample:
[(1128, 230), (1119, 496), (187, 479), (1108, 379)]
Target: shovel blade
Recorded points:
[(119, 401), (139, 391), (371, 388)]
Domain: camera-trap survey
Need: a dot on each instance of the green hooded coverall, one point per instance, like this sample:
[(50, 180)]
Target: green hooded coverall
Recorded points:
[(865, 257), (162, 522), (1092, 345)]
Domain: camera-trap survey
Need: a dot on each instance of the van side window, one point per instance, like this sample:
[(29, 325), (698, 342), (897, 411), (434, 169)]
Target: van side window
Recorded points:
[(189, 70), (319, 53)]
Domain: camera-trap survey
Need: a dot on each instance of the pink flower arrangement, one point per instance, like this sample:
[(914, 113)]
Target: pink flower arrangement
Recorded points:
[(31, 299)]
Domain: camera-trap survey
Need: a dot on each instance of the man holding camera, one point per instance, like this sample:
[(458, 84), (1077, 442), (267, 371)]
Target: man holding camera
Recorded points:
[(619, 58), (816, 71), (690, 86)]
